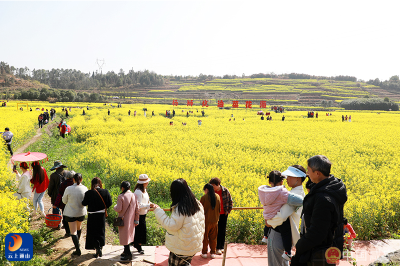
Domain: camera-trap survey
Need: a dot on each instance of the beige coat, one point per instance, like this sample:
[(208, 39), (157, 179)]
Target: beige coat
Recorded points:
[(184, 234), (131, 214)]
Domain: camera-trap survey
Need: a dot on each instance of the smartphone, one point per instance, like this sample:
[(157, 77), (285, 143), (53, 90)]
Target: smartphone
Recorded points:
[(14, 167)]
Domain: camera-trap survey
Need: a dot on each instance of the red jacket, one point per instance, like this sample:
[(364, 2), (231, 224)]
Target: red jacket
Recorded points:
[(41, 187)]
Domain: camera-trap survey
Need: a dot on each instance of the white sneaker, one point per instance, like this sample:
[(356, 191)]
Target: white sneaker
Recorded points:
[(213, 256), (218, 252), (286, 256), (204, 256), (264, 240)]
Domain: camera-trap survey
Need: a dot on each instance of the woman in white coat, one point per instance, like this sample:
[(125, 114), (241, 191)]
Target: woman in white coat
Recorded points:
[(24, 187), (144, 203), (185, 228)]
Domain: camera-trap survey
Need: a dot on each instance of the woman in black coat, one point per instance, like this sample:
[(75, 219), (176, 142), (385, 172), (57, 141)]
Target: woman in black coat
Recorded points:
[(98, 201)]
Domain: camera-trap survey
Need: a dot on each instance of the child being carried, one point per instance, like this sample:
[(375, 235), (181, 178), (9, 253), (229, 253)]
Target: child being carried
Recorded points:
[(273, 197)]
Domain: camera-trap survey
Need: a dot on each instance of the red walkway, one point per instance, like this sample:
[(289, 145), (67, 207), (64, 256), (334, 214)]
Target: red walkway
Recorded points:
[(245, 255)]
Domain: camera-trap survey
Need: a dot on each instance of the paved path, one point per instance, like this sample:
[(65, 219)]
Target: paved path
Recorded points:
[(245, 255)]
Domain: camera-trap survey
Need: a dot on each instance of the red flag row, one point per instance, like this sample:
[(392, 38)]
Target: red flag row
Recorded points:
[(221, 104)]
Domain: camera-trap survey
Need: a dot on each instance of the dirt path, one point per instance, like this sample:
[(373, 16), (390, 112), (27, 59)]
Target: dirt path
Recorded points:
[(63, 247)]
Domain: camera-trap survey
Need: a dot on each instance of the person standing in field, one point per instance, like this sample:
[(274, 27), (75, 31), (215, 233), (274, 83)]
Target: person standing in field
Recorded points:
[(128, 209), (108, 111), (98, 201), (8, 136), (40, 183), (185, 226), (56, 179), (68, 182), (226, 207), (144, 203), (286, 220), (24, 188), (74, 210), (63, 129), (323, 214), (212, 207), (40, 120)]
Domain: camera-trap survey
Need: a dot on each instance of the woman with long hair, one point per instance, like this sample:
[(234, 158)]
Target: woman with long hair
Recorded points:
[(212, 207), (98, 201), (74, 210), (143, 200), (185, 226), (128, 209), (40, 183), (226, 208)]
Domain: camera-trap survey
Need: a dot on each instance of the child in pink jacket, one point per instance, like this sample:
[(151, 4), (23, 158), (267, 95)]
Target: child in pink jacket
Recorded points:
[(273, 197)]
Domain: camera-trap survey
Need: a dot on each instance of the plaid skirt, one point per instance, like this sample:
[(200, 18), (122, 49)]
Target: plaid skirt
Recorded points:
[(179, 260)]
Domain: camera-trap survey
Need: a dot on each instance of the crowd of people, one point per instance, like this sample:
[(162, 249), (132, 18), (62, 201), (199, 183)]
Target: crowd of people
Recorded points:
[(200, 225)]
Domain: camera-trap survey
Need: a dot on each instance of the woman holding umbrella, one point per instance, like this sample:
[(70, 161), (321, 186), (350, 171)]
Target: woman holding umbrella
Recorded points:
[(40, 183), (24, 189)]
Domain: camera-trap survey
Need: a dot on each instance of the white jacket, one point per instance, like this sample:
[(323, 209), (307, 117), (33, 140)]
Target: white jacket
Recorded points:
[(290, 212), (73, 197), (184, 234), (24, 187), (143, 200)]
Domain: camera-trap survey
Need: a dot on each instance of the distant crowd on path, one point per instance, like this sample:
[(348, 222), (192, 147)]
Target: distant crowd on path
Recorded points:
[(200, 226)]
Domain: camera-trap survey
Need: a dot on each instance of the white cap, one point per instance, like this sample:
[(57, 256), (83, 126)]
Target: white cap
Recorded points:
[(292, 171), (143, 179)]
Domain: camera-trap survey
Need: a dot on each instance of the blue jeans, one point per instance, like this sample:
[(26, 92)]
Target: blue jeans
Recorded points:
[(37, 199)]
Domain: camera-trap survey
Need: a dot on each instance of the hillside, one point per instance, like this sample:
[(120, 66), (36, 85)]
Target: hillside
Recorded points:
[(276, 91)]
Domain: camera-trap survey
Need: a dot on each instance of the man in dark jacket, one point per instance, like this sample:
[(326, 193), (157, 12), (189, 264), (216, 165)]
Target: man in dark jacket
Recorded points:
[(323, 215), (56, 179)]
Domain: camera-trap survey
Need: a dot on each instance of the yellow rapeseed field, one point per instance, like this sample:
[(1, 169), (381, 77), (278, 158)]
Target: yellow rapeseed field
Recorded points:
[(234, 145), (13, 213), (242, 151)]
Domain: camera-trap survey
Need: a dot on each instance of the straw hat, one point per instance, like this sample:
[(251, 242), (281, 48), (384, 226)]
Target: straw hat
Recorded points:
[(143, 179)]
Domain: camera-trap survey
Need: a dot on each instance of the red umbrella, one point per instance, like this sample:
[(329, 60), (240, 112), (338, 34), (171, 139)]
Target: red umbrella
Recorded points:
[(28, 157)]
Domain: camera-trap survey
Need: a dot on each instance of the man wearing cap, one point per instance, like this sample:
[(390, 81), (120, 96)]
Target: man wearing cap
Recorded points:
[(56, 179), (7, 136), (323, 215), (295, 176)]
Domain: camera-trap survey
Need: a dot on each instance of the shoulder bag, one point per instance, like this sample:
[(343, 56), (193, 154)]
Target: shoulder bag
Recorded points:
[(119, 221), (105, 207)]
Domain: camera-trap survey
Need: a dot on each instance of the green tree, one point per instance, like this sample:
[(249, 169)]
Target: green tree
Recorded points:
[(394, 79)]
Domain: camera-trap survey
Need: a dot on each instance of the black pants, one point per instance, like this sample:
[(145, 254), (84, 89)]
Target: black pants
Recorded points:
[(223, 218), (40, 123), (140, 233), (286, 233), (9, 148), (267, 230)]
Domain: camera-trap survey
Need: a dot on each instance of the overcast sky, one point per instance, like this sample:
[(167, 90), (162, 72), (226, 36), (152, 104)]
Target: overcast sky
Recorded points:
[(356, 38)]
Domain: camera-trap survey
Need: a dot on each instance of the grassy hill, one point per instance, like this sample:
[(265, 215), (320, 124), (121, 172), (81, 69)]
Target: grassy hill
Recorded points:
[(276, 91)]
